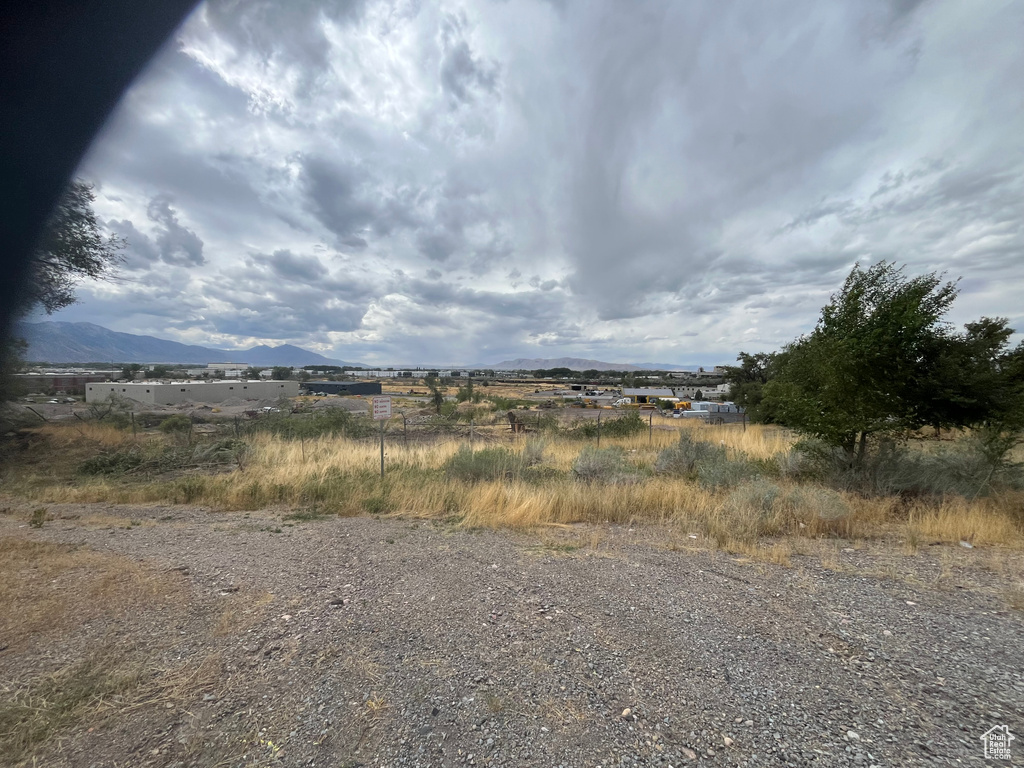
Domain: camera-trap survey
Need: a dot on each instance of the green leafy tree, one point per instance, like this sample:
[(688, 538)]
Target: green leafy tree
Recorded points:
[(436, 392), (159, 372), (861, 371), (72, 248), (280, 372), (252, 373), (468, 393), (746, 382), (129, 371)]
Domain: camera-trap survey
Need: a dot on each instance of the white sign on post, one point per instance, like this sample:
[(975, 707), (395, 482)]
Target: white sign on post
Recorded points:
[(382, 407)]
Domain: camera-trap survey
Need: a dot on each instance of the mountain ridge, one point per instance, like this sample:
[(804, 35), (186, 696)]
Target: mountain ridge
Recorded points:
[(63, 342)]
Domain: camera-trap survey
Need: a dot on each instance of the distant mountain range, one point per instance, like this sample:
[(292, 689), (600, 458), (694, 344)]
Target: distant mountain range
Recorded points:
[(56, 342), (578, 364)]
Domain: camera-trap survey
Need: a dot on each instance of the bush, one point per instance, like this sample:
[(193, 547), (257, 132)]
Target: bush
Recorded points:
[(683, 457), (624, 426), (706, 462), (176, 423), (606, 465), (533, 452), (112, 462), (484, 464), (320, 423), (133, 459), (760, 508), (961, 469), (38, 518), (719, 471)]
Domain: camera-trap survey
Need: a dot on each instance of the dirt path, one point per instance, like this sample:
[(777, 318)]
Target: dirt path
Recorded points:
[(363, 641)]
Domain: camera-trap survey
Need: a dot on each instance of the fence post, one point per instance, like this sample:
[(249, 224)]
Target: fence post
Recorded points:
[(650, 429), (405, 430), (471, 433), (382, 448), (598, 429)]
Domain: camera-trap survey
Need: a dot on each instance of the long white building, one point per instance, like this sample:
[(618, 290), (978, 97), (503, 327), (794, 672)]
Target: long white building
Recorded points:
[(174, 392)]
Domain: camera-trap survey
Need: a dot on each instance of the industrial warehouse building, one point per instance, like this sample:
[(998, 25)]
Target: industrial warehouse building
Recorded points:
[(171, 393), (341, 387)]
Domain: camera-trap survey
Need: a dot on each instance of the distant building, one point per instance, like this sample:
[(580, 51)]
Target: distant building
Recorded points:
[(221, 370), (49, 383), (172, 393), (645, 395), (340, 387)]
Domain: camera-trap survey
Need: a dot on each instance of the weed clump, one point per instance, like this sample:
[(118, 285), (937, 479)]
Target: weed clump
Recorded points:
[(328, 422), (176, 423), (484, 464), (134, 459), (623, 426), (684, 458), (705, 462), (961, 469), (760, 508), (604, 465)]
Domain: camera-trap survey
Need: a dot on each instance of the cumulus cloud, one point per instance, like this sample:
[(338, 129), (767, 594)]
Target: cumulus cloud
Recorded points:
[(664, 180), (177, 244)]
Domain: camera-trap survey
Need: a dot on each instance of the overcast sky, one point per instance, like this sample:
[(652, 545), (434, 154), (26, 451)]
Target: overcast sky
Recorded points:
[(410, 181)]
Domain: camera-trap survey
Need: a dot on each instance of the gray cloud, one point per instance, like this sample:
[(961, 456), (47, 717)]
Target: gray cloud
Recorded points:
[(177, 244), (675, 181), (463, 74)]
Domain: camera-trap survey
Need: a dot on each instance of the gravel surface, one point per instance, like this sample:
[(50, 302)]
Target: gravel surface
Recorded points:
[(393, 642)]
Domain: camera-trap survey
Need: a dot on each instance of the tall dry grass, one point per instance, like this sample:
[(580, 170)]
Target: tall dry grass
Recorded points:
[(341, 476)]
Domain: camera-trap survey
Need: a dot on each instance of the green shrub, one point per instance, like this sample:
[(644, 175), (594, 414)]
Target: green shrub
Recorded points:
[(38, 517), (376, 505), (484, 464), (176, 423), (189, 489), (624, 426), (719, 471), (889, 469), (705, 462), (604, 465), (165, 459), (319, 423), (533, 452), (112, 462), (683, 457), (760, 508)]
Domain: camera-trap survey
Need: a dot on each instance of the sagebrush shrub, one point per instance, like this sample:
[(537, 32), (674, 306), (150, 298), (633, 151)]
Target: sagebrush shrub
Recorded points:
[(484, 464), (604, 465)]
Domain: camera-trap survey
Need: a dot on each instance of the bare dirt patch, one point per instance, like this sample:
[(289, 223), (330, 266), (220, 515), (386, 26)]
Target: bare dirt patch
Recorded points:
[(250, 639)]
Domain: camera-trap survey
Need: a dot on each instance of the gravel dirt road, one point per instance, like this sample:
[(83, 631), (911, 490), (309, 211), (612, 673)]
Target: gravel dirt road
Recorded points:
[(384, 642)]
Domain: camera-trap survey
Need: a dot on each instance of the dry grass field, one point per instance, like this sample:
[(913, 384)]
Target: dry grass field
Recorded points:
[(516, 481), (186, 598)]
